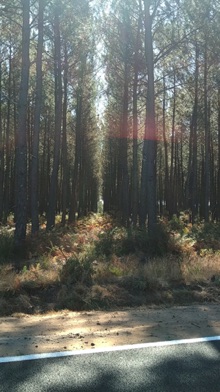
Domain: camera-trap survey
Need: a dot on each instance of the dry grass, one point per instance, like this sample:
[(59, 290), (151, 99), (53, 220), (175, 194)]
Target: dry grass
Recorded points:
[(163, 272), (160, 272), (107, 271), (35, 276), (9, 280), (122, 279), (200, 269)]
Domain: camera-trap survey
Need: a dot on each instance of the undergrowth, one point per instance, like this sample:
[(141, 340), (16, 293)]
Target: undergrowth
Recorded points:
[(121, 241), (97, 264), (6, 246)]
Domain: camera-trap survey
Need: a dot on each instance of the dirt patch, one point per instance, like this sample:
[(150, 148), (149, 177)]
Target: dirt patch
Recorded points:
[(25, 334)]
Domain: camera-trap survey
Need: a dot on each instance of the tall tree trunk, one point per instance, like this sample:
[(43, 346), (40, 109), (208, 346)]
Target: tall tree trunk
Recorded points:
[(212, 180), (123, 179), (7, 141), (58, 117), (123, 158), (36, 128), (78, 141), (1, 149), (166, 179), (218, 170), (194, 203), (20, 141), (173, 142), (135, 152), (29, 152), (64, 140), (149, 149), (45, 167), (181, 172), (207, 137), (135, 177), (192, 165), (202, 184)]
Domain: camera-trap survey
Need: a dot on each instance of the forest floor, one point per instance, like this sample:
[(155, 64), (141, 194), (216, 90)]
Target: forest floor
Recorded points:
[(96, 283)]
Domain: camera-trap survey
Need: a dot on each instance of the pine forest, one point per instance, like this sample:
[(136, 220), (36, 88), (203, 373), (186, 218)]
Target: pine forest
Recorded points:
[(109, 152)]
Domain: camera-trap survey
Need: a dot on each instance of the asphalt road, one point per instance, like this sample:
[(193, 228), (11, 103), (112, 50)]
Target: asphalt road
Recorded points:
[(172, 368)]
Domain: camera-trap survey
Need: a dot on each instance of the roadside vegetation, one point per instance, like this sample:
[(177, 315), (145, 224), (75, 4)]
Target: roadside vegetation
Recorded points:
[(98, 264)]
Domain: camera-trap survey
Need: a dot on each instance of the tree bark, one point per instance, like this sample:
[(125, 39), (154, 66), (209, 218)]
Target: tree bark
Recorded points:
[(194, 201), (218, 170), (58, 118), (123, 178), (36, 128), (149, 149), (20, 141), (135, 177), (166, 179), (78, 141), (207, 138), (1, 149), (64, 140), (7, 142)]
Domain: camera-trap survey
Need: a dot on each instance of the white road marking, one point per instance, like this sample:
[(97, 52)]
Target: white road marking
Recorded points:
[(60, 354)]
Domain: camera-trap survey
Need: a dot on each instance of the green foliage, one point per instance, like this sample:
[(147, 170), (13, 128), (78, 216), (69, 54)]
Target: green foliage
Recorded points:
[(155, 243), (44, 262), (176, 224), (217, 281), (24, 269), (6, 246), (206, 232), (126, 244), (116, 270), (120, 242), (207, 238), (76, 270), (104, 245)]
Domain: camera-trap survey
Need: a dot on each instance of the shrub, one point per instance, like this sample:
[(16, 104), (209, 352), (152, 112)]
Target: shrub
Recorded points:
[(208, 232), (207, 237), (73, 298), (159, 240), (176, 224), (44, 262), (6, 246), (75, 271), (124, 247), (120, 241), (155, 243), (104, 246)]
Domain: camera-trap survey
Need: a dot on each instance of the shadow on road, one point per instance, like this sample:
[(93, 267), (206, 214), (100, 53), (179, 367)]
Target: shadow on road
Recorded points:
[(172, 368)]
